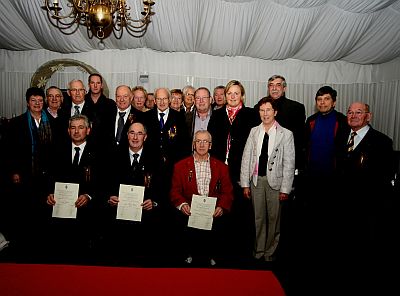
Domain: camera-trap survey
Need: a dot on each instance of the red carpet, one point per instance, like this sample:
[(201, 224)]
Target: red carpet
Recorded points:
[(68, 280)]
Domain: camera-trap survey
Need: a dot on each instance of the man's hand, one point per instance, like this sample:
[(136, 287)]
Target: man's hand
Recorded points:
[(113, 200), (50, 200), (218, 212), (82, 200)]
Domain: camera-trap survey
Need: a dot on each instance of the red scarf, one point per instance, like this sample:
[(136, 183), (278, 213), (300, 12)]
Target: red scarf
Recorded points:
[(232, 112)]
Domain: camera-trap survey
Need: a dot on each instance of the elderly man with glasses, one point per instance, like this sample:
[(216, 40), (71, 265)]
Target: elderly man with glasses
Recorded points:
[(202, 175)]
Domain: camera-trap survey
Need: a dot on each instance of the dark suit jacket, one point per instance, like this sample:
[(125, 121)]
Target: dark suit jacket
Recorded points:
[(219, 127), (64, 114), (370, 163), (100, 111), (171, 143), (108, 141), (292, 115), (86, 174), (124, 173), (18, 148), (184, 183)]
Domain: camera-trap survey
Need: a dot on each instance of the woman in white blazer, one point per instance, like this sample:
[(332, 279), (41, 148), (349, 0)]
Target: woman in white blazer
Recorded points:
[(266, 176)]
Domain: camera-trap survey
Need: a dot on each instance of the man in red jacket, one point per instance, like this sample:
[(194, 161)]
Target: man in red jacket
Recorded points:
[(203, 175)]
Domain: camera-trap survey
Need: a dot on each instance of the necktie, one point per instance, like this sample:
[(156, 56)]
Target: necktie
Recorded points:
[(120, 126), (135, 162), (350, 145), (75, 162), (77, 111), (162, 120)]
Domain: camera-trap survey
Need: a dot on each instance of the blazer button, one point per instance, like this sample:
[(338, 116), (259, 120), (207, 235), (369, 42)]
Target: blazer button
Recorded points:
[(272, 163), (270, 169)]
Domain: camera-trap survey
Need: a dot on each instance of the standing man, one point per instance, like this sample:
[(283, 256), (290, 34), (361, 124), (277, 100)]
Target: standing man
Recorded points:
[(101, 106), (324, 130), (188, 103), (54, 99), (203, 175), (202, 111), (75, 104), (291, 114), (150, 101), (123, 115), (365, 165), (169, 142)]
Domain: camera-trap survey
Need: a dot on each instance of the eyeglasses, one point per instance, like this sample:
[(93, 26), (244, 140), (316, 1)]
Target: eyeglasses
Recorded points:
[(56, 96), (357, 113), (77, 90), (201, 98), (202, 142)]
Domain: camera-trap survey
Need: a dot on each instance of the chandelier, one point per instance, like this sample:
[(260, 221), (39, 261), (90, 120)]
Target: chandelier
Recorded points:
[(101, 17)]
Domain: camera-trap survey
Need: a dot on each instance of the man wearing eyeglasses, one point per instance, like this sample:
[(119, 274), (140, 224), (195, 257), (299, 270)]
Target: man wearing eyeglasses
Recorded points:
[(202, 175), (54, 99), (202, 110), (169, 141), (365, 165)]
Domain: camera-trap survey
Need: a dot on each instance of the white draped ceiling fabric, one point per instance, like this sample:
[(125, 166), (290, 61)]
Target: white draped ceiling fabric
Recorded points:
[(352, 45)]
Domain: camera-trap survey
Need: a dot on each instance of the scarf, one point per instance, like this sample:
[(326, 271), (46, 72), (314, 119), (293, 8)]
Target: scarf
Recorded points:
[(231, 112), (40, 137)]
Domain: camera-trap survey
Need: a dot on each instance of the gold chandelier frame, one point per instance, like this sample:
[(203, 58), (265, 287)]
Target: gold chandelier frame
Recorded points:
[(101, 17)]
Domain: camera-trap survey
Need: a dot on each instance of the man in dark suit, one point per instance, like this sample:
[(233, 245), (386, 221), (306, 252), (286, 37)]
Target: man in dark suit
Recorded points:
[(75, 163), (203, 175), (167, 134), (132, 165), (74, 104), (169, 142), (365, 165), (115, 127), (101, 106)]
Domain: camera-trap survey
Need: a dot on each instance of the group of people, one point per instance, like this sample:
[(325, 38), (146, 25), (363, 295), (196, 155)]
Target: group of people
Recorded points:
[(256, 161)]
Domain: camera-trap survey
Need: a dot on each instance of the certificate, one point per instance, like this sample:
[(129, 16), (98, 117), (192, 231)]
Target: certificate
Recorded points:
[(65, 195), (130, 200), (202, 211)]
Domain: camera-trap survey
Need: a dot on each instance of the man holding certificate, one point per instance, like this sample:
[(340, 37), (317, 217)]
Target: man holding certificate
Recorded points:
[(202, 192), (71, 191), (129, 234)]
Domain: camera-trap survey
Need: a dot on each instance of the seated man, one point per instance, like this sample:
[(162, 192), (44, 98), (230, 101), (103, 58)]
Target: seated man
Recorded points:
[(133, 165), (76, 163), (203, 175)]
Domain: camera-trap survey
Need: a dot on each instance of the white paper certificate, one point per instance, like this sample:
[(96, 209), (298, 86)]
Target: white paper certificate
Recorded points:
[(202, 210), (130, 200), (65, 195)]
